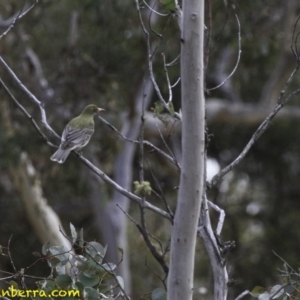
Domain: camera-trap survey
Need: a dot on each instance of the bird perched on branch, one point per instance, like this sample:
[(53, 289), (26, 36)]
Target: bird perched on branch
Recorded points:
[(77, 133)]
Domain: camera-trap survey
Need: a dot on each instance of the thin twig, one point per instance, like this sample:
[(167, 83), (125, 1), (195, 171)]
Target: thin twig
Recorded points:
[(142, 228), (9, 255), (103, 260), (170, 158), (92, 167), (164, 154), (17, 273), (31, 97), (153, 10), (160, 258), (221, 216), (168, 78), (174, 62), (166, 145), (294, 40), (267, 122), (151, 54), (208, 34), (25, 112), (120, 189), (257, 134), (176, 82), (141, 148), (283, 261), (161, 196), (9, 277), (19, 16), (243, 294), (97, 171), (238, 58), (163, 280)]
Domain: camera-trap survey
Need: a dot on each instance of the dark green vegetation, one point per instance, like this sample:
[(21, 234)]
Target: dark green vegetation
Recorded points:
[(104, 63)]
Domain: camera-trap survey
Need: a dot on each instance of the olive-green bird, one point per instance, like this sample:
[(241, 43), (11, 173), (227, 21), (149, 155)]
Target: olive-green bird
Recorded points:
[(77, 133)]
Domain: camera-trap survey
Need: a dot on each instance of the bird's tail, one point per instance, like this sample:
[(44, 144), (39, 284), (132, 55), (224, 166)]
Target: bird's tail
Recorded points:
[(60, 155)]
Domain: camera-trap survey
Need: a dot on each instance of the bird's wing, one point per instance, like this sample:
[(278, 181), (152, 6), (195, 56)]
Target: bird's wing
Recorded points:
[(76, 138)]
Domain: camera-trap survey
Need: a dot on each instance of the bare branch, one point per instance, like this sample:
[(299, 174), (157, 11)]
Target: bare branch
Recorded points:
[(9, 254), (221, 217), (97, 171), (25, 112), (261, 129), (161, 195), (151, 50), (150, 56), (238, 58), (168, 79), (160, 258), (142, 228), (171, 159), (176, 82), (18, 17), (242, 295), (208, 34), (295, 40), (166, 145), (153, 10), (31, 97), (124, 192), (164, 154), (174, 62)]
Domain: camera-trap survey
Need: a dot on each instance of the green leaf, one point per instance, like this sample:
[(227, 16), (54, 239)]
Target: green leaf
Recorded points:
[(90, 294), (45, 248), (63, 280), (53, 261), (289, 289), (257, 291), (88, 281), (73, 233), (168, 4), (79, 286), (110, 267), (96, 251), (93, 269), (264, 296), (79, 262), (47, 285), (159, 294), (61, 268), (276, 291), (14, 284), (61, 252), (36, 254)]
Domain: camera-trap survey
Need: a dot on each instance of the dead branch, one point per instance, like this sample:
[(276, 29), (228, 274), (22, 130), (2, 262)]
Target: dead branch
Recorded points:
[(238, 57)]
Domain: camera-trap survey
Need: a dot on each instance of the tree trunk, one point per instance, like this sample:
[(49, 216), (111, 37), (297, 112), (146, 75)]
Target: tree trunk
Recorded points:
[(180, 279)]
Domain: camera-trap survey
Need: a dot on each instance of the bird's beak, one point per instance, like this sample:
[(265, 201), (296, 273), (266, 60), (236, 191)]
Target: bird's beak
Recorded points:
[(100, 109)]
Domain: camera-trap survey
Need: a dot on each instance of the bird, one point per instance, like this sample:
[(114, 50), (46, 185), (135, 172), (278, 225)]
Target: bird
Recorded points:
[(77, 133)]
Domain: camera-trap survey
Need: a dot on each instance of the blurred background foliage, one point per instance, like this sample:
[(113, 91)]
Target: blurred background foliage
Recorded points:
[(103, 63)]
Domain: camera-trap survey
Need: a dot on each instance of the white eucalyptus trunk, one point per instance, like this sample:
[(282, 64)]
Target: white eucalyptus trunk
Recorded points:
[(184, 235)]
